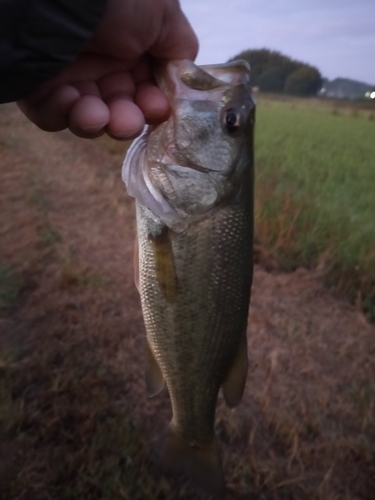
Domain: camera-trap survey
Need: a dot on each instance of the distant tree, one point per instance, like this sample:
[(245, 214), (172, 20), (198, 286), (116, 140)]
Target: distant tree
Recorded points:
[(258, 60), (272, 80), (271, 71), (305, 81)]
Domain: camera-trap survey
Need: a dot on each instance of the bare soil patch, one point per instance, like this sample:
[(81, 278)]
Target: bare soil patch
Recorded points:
[(75, 422)]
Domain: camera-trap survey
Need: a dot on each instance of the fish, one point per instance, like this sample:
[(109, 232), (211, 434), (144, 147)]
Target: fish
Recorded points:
[(192, 178)]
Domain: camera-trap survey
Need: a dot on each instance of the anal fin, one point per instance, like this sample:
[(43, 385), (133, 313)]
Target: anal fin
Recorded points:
[(154, 378), (235, 381)]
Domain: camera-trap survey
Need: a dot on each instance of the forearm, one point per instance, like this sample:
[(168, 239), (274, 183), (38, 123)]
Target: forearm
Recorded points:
[(40, 37)]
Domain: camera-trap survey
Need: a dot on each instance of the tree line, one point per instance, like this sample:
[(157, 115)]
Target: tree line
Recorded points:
[(271, 71)]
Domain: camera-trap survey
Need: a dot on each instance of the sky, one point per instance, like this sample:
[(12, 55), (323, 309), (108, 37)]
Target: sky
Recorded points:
[(335, 36)]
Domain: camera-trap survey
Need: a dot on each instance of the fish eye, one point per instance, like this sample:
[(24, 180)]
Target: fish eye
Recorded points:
[(232, 120)]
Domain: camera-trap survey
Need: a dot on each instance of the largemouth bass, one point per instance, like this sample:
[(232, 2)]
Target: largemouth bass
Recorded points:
[(192, 177)]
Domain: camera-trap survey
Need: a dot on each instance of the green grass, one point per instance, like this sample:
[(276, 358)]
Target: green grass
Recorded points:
[(315, 201)]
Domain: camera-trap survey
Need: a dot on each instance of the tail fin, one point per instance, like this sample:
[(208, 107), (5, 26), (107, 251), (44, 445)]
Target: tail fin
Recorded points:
[(201, 463)]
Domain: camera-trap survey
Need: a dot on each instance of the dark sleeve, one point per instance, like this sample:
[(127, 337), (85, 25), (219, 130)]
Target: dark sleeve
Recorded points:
[(38, 38)]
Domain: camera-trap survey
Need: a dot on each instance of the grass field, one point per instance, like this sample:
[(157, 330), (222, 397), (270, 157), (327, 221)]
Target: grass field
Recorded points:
[(75, 420), (315, 202)]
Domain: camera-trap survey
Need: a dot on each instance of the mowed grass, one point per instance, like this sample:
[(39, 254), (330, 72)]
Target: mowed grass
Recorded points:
[(75, 421), (315, 201)]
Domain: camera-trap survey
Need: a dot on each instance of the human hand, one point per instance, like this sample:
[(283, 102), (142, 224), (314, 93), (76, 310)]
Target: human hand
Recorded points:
[(110, 88)]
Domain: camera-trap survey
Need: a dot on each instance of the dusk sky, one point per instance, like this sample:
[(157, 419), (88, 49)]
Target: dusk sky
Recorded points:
[(336, 36)]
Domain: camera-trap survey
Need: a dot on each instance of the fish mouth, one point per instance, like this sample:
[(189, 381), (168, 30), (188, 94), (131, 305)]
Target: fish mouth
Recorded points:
[(194, 166), (167, 158), (204, 87), (183, 161), (185, 79)]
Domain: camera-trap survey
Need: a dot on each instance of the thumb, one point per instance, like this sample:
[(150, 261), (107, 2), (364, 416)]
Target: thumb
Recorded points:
[(176, 39)]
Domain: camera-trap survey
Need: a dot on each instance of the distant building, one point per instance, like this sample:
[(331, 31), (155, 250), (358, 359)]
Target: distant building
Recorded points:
[(343, 88)]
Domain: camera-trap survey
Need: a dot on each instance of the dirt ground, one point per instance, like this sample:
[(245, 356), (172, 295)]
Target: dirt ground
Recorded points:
[(74, 416)]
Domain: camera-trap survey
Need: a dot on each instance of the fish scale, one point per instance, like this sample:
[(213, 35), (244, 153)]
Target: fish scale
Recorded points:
[(222, 242), (194, 197)]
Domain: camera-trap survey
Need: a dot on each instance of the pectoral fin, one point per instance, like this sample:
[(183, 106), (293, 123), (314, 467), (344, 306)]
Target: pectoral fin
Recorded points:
[(154, 377), (234, 383), (164, 265)]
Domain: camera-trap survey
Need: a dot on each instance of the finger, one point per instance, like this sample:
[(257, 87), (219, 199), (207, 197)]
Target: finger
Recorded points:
[(87, 67), (51, 112), (88, 117), (152, 102), (143, 72), (92, 67), (126, 119), (117, 82), (177, 39), (87, 88)]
